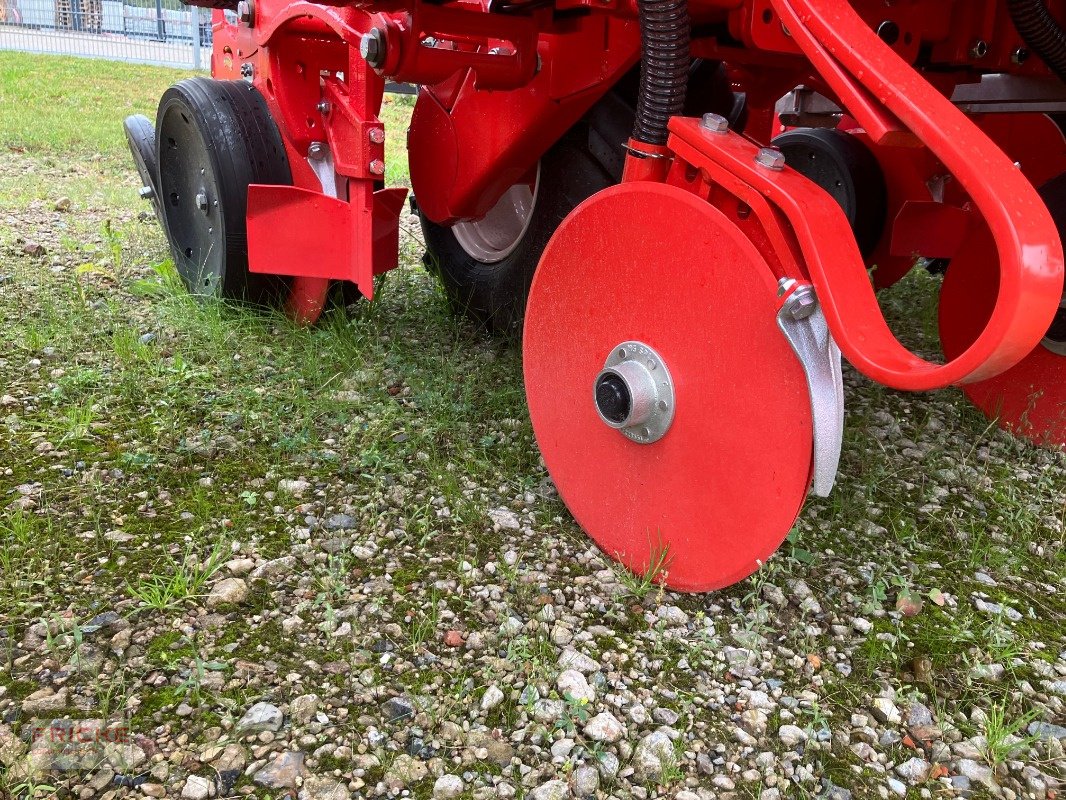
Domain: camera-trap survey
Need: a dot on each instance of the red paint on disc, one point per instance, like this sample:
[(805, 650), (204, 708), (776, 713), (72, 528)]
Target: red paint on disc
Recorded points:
[(720, 491), (1029, 399)]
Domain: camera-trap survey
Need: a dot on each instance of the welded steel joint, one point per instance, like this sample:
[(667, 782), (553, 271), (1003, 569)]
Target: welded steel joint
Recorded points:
[(801, 319), (634, 393)]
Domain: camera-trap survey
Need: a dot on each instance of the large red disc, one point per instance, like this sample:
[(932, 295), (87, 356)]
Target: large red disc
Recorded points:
[(1030, 398), (716, 495)]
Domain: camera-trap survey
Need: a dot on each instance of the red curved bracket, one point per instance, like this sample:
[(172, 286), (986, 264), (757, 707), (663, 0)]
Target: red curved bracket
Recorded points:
[(860, 67)]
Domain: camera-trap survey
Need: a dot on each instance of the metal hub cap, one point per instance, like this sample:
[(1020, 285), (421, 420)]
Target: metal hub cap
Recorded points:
[(496, 235), (634, 393)]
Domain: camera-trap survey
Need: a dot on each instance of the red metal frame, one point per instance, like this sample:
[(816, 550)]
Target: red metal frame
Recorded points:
[(499, 89)]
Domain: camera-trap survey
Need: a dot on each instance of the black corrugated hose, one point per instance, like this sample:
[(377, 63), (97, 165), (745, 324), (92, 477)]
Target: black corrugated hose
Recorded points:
[(1041, 32), (664, 65)]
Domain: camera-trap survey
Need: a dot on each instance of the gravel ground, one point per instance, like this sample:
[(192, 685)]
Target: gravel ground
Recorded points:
[(328, 563)]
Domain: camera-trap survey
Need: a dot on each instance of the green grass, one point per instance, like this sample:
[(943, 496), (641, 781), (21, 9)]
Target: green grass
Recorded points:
[(62, 104)]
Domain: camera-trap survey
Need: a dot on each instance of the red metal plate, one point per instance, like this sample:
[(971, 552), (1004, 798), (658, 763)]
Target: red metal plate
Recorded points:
[(720, 491), (1028, 399)]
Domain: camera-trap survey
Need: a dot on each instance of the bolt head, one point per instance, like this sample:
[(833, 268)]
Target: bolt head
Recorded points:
[(770, 159), (324, 107), (146, 192), (715, 123), (316, 151), (377, 167), (377, 135), (801, 303), (372, 47), (201, 201)]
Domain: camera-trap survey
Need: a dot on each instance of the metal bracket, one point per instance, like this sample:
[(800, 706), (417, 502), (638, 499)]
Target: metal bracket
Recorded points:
[(803, 323)]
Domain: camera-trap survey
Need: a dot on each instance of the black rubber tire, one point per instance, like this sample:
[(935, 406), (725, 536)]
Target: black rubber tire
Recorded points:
[(494, 295), (223, 128)]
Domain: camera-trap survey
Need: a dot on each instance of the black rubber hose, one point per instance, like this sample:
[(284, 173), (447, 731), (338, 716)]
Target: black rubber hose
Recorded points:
[(664, 65), (1041, 32)]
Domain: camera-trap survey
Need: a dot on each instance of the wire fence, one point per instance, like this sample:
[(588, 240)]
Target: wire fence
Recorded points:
[(162, 32)]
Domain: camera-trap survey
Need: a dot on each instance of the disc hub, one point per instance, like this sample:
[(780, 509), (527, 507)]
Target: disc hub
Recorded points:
[(634, 393)]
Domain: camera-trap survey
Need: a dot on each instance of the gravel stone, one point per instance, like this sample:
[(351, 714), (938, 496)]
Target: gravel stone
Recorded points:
[(447, 787), (261, 717), (229, 590), (791, 736), (604, 727), (914, 770)]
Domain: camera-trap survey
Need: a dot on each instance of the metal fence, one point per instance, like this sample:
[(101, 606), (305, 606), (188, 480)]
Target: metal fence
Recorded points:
[(141, 31)]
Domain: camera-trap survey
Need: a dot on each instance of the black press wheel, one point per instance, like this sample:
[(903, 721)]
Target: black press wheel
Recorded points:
[(486, 266), (214, 138)]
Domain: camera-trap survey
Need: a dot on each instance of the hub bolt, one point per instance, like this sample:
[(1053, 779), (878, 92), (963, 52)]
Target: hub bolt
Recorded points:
[(634, 393)]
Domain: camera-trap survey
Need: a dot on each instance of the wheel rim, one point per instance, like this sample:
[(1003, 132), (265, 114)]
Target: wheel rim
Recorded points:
[(496, 235), (188, 194)]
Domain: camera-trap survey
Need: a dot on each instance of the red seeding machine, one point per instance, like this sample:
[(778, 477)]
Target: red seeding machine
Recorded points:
[(685, 207)]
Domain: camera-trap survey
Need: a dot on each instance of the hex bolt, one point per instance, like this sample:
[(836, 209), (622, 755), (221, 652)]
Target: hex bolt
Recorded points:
[(316, 151), (372, 47), (201, 201), (715, 123), (377, 167), (770, 159), (377, 135), (246, 12), (979, 49), (324, 107), (146, 192), (801, 303)]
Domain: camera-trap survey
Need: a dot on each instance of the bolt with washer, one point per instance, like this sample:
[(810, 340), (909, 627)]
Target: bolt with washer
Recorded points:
[(372, 47), (316, 151)]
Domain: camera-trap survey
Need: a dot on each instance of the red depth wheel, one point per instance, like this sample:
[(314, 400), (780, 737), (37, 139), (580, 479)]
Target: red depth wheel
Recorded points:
[(652, 281), (1030, 398)]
